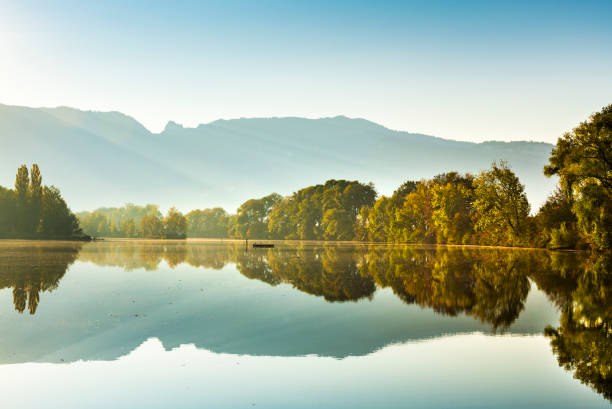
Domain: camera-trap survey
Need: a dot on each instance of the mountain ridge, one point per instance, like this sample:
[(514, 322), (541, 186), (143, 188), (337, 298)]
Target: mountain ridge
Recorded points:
[(109, 158)]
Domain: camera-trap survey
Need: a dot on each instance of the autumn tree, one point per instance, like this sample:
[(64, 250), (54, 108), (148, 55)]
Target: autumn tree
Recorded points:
[(452, 204), (413, 219), (128, 228), (501, 205), (175, 225), (151, 227)]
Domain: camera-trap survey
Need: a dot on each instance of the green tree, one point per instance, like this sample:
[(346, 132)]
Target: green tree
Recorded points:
[(379, 220), (252, 217), (33, 210), (582, 159), (22, 182), (321, 212), (501, 205), (337, 225), (207, 223), (8, 211), (175, 225), (555, 223), (35, 190), (282, 219), (115, 216), (57, 221)]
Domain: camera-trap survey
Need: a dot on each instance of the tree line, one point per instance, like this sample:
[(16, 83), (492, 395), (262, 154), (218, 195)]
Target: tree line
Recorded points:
[(489, 208), (33, 210), (131, 221)]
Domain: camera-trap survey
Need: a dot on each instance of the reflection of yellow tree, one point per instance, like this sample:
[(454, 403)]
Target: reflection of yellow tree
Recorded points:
[(175, 253), (583, 342), (490, 285), (487, 284), (30, 269)]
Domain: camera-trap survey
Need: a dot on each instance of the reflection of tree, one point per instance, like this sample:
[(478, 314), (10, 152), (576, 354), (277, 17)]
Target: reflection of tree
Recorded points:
[(212, 255), (557, 274), (501, 288), (254, 264), (321, 271), (330, 271), (132, 254), (30, 269), (490, 285), (583, 342)]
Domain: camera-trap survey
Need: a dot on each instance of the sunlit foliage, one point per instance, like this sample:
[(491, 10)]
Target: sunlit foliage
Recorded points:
[(501, 206)]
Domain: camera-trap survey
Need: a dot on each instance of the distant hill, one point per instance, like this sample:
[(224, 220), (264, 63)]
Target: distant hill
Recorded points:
[(108, 158)]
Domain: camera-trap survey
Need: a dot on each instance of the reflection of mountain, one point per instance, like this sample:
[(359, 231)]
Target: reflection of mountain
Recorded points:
[(31, 268), (422, 293)]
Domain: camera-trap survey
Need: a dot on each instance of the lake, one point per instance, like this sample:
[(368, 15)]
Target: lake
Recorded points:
[(193, 324)]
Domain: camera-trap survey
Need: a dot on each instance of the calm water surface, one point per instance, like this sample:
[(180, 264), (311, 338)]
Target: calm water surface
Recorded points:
[(161, 324)]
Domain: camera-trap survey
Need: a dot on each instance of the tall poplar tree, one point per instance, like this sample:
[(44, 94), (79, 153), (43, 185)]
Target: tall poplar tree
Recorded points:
[(22, 181), (35, 203)]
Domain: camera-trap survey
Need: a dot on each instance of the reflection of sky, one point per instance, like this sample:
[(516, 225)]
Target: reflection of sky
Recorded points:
[(458, 371), (468, 70), (190, 337), (92, 315)]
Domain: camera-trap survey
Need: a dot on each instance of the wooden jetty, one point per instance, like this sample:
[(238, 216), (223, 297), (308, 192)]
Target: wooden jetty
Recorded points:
[(263, 245)]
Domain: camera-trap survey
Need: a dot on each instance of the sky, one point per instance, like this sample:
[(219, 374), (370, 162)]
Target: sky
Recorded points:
[(466, 70)]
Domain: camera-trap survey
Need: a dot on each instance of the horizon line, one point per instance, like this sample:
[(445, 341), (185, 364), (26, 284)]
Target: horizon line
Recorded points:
[(201, 124)]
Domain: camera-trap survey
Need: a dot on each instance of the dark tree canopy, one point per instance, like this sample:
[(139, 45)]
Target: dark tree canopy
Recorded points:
[(582, 159), (33, 210)]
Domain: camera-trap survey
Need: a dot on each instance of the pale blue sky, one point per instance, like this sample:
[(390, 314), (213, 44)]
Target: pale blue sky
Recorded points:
[(461, 70)]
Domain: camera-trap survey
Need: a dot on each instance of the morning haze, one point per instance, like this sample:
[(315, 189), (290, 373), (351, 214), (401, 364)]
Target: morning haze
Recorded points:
[(109, 158), (303, 204)]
